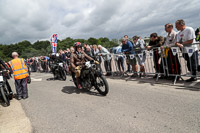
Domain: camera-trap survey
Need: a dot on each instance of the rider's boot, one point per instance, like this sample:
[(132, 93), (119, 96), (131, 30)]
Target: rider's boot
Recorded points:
[(79, 83)]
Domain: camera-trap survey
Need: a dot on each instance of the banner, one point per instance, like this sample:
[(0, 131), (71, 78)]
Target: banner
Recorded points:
[(190, 50), (140, 56), (174, 50), (132, 56), (151, 54), (54, 42)]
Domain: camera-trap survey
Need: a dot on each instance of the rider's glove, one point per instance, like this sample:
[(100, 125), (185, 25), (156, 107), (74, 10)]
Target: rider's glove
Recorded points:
[(77, 68), (96, 62), (78, 71)]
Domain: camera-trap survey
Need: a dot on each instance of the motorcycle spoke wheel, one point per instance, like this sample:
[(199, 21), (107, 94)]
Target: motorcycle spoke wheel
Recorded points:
[(5, 95), (63, 74), (102, 85)]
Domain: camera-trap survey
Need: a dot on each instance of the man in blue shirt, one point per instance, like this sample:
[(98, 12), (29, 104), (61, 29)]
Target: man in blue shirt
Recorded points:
[(45, 61), (127, 49), (128, 65), (127, 46)]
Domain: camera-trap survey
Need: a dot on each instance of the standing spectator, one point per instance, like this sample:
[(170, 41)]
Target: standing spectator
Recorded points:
[(97, 57), (44, 63), (20, 73), (33, 64), (139, 47), (127, 49), (171, 61), (88, 50), (141, 40), (72, 49), (62, 55), (155, 42), (107, 59), (96, 51), (186, 38), (71, 52), (127, 62), (197, 33), (91, 46), (39, 64), (120, 58), (68, 54)]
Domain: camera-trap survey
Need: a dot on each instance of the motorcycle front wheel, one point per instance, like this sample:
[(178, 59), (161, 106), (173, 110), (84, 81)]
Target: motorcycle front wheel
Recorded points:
[(63, 74), (102, 85), (5, 95)]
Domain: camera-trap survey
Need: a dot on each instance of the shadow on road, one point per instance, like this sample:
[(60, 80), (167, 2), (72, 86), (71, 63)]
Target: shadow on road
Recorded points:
[(50, 79), (188, 88), (74, 90), (150, 80), (54, 79)]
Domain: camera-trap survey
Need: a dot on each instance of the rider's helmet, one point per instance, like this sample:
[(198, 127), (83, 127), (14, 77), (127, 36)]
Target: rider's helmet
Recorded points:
[(77, 44)]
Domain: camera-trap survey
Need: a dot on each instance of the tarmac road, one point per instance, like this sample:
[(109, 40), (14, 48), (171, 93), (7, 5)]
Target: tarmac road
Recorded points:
[(130, 107)]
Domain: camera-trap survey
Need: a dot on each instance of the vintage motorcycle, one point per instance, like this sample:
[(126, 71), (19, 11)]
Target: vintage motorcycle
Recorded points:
[(58, 70), (5, 93), (92, 77)]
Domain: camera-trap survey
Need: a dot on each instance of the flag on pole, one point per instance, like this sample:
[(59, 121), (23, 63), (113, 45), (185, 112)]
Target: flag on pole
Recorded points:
[(54, 42)]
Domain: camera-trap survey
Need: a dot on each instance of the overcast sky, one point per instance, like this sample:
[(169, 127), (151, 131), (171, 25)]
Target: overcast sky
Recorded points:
[(34, 20)]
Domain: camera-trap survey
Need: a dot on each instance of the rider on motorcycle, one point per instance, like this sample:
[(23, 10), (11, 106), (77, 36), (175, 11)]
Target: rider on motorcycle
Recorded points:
[(77, 60)]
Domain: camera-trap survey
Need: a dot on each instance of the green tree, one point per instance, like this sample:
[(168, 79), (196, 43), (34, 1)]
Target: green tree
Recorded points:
[(104, 39), (92, 41), (29, 52), (115, 41), (41, 44)]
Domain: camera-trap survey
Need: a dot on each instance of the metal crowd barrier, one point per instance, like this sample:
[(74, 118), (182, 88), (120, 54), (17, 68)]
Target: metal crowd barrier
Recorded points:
[(171, 62)]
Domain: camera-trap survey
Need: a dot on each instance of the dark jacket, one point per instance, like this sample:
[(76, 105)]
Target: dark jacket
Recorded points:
[(63, 57), (157, 43), (90, 52), (196, 33)]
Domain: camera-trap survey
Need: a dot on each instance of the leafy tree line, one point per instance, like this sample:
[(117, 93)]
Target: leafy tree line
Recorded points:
[(42, 48)]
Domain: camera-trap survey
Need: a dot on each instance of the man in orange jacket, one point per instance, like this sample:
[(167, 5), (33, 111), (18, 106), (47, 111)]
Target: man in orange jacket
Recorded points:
[(20, 73)]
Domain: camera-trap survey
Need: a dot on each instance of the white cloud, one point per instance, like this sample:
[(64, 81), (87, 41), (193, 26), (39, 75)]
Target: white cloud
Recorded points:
[(35, 19)]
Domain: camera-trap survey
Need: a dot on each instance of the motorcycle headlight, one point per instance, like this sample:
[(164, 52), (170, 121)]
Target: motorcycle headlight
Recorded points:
[(87, 64)]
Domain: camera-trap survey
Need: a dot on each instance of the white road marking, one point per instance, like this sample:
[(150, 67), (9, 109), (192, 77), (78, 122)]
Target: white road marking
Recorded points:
[(33, 79)]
